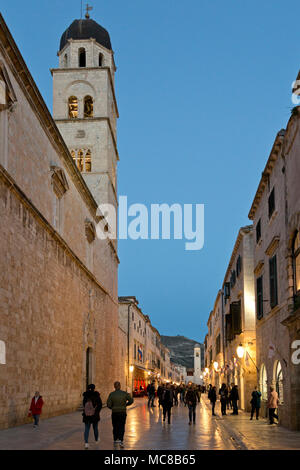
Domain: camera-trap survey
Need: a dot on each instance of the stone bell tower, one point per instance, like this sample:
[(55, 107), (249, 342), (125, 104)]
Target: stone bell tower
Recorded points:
[(85, 107), (197, 364)]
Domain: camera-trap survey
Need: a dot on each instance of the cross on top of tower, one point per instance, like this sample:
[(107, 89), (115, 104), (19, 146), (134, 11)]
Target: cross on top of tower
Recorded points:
[(88, 8)]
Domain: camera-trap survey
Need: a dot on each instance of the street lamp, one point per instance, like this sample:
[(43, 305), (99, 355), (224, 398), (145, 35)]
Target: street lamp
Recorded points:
[(240, 351), (207, 370), (131, 369), (216, 365)]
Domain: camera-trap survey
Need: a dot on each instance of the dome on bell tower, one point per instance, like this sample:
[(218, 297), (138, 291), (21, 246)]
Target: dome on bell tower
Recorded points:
[(86, 29)]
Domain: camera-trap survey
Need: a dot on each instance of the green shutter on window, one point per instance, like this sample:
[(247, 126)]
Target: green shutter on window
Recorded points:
[(273, 282), (259, 298), (235, 309)]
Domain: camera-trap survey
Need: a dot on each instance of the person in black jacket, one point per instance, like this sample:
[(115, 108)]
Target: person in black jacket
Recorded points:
[(92, 405), (223, 392), (191, 401), (167, 402), (160, 390), (234, 396), (151, 394), (213, 398), (255, 403)]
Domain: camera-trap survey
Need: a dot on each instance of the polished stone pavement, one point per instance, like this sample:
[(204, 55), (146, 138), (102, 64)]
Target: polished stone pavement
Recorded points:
[(145, 430)]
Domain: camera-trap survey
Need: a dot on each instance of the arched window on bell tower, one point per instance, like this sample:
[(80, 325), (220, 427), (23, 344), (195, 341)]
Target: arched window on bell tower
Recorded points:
[(88, 109), (73, 107), (82, 57)]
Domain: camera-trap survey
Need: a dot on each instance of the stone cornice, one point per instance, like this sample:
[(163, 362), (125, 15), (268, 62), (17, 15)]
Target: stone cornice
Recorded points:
[(83, 69), (272, 246), (267, 171), (12, 186), (258, 267), (93, 119), (22, 75)]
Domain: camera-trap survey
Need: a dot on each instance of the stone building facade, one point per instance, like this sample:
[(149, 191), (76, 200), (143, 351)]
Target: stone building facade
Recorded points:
[(275, 213), (146, 359), (59, 302), (231, 324), (239, 318)]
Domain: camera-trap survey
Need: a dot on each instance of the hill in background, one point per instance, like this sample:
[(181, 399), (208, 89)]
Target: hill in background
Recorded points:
[(182, 349)]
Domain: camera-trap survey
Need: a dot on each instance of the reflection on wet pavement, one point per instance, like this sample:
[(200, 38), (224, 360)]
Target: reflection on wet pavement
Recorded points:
[(145, 430)]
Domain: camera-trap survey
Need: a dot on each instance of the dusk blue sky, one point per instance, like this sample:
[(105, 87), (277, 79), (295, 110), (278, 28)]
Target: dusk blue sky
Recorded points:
[(203, 86)]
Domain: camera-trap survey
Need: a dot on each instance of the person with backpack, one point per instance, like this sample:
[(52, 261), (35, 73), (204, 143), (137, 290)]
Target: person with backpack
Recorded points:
[(223, 392), (167, 402), (117, 402), (191, 401), (255, 403), (92, 405), (35, 409)]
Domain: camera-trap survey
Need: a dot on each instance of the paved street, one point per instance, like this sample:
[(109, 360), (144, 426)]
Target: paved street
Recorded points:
[(145, 430)]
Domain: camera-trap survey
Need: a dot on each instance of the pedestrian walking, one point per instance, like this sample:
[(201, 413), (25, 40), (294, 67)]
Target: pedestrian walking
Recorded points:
[(191, 400), (118, 402), (212, 395), (167, 402), (272, 405), (223, 392), (229, 402), (35, 409), (176, 393), (198, 392), (182, 393), (151, 394), (92, 405), (255, 403), (160, 390), (234, 397)]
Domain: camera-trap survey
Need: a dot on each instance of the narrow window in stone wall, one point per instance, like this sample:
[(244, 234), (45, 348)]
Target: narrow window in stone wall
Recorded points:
[(65, 61), (218, 345), (82, 57), (73, 107), (259, 298), (271, 203), (273, 282), (296, 266), (239, 266), (258, 231), (100, 60), (88, 108)]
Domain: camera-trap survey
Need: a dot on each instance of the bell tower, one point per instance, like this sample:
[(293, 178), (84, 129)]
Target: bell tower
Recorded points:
[(85, 107)]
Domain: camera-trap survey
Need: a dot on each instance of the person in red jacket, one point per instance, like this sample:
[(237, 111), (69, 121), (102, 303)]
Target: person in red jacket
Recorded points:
[(36, 408)]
